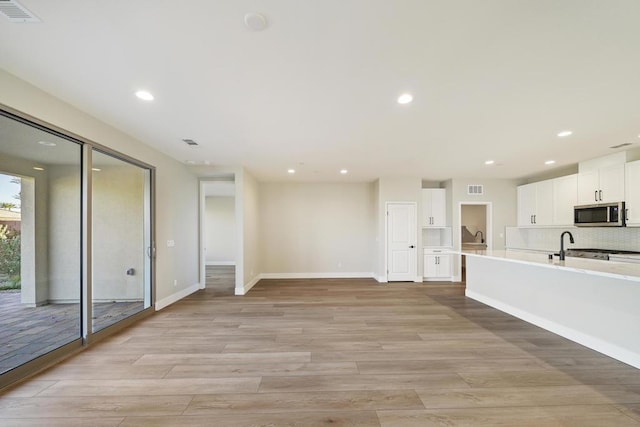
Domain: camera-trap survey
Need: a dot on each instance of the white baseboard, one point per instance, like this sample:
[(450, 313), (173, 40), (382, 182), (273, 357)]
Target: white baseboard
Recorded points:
[(164, 302), (381, 279), (338, 275), (220, 263), (589, 341), (249, 285)]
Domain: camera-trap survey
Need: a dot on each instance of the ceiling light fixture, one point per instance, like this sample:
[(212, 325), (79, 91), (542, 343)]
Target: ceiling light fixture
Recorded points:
[(405, 98), (489, 162), (564, 133), (291, 171), (549, 162), (144, 95), (96, 169), (38, 168), (344, 171), (47, 143)]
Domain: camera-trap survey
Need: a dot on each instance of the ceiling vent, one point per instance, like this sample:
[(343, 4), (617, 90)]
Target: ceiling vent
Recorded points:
[(624, 144), (15, 12), (475, 189), (190, 142)]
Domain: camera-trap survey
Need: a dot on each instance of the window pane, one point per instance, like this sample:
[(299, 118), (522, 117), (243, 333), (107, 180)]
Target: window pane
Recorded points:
[(120, 240), (40, 241)]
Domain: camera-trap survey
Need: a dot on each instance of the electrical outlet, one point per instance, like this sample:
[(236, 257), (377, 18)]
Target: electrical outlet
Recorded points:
[(171, 243)]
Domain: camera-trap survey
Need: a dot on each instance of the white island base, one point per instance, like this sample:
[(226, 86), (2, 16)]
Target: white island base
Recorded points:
[(599, 311)]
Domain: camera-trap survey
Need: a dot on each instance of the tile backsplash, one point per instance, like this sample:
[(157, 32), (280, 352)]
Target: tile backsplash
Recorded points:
[(548, 239)]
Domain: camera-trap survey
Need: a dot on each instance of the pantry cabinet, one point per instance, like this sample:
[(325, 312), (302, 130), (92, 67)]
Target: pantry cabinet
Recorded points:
[(434, 207), (535, 204), (602, 185), (437, 265)]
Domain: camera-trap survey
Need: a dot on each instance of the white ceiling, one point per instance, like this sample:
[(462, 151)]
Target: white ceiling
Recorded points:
[(316, 91)]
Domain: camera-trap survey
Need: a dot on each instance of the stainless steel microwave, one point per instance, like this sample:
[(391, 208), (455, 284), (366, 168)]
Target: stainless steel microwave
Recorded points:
[(600, 215)]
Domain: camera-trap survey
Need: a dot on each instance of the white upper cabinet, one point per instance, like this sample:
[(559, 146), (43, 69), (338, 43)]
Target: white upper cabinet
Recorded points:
[(601, 180), (565, 197), (535, 204), (434, 207), (632, 195)]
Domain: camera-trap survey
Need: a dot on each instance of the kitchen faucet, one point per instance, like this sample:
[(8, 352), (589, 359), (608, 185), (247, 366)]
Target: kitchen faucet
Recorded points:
[(481, 236), (562, 243)]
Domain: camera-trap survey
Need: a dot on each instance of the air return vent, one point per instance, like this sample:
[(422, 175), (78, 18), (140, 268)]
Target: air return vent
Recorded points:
[(475, 189), (624, 144), (190, 142), (15, 12)]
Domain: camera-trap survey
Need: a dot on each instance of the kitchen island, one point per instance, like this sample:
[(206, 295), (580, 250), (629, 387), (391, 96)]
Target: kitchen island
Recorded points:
[(595, 303)]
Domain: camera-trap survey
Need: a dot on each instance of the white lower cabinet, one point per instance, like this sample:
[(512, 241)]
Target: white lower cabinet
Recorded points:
[(437, 265)]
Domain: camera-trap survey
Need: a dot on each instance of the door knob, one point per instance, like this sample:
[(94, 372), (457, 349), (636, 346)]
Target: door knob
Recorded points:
[(412, 246)]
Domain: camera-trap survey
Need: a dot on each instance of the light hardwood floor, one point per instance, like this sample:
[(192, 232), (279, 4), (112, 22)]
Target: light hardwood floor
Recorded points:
[(330, 352)]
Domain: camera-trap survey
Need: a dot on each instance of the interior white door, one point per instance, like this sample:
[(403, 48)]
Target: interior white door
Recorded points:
[(402, 236)]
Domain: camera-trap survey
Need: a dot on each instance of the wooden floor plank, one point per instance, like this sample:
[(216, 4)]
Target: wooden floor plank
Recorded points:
[(317, 352)]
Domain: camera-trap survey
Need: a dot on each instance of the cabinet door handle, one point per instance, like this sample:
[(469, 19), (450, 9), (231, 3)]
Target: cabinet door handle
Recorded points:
[(600, 195), (596, 195)]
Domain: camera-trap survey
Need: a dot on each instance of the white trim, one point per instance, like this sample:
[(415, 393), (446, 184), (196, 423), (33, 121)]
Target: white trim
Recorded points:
[(381, 279), (247, 287), (220, 263), (386, 237), (165, 302), (594, 343), (339, 275)]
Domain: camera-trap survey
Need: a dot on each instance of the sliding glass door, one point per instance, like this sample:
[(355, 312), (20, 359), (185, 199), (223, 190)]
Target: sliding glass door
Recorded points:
[(40, 241), (121, 240), (75, 244)]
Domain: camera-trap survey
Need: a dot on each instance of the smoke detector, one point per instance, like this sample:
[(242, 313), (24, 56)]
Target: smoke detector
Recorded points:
[(255, 21), (15, 12)]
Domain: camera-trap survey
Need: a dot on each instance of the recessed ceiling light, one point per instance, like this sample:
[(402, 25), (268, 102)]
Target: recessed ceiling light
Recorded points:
[(47, 143), (291, 171), (144, 95), (96, 169), (489, 162), (405, 98), (344, 171), (564, 133), (38, 168), (549, 162)]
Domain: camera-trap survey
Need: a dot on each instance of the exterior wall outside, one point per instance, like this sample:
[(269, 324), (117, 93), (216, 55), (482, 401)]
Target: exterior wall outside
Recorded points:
[(220, 229), (118, 239)]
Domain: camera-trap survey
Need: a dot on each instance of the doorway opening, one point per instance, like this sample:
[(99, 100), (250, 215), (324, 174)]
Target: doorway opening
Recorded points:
[(219, 236), (475, 230)]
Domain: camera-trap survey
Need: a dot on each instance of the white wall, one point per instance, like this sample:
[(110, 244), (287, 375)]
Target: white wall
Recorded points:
[(176, 188), (317, 228), (220, 230), (502, 195), (251, 257), (396, 190), (474, 217)]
